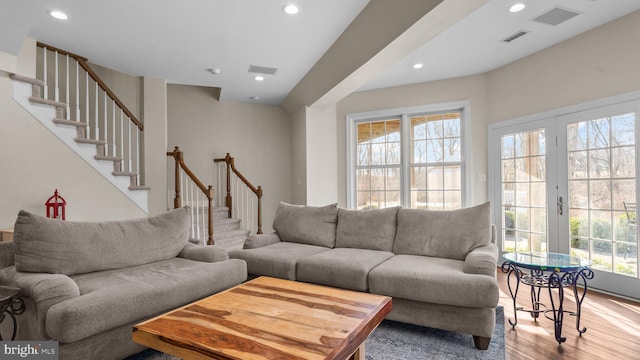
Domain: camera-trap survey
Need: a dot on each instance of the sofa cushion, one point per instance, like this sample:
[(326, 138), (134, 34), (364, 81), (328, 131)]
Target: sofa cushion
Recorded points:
[(367, 229), (307, 224), (433, 280), (277, 260), (444, 234), (66, 247), (341, 267), (114, 298)]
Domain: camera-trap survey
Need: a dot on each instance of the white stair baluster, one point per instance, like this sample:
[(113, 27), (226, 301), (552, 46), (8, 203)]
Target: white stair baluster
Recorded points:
[(78, 94), (57, 89), (105, 130), (66, 99), (86, 103), (138, 151), (114, 137), (122, 153), (45, 93), (129, 144), (197, 211), (98, 119)]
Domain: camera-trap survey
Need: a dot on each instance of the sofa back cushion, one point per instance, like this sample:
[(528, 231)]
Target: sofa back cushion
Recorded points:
[(367, 229), (66, 247), (307, 224), (445, 234)]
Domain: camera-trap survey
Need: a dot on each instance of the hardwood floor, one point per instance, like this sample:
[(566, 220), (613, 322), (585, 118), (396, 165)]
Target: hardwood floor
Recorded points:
[(613, 328)]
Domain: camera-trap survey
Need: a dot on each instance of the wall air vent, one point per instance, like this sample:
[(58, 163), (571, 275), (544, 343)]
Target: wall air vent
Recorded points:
[(555, 16), (515, 36), (262, 70)]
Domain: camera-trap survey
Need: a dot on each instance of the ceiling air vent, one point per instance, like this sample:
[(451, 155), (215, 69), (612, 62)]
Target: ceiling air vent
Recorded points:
[(262, 70), (555, 16), (515, 36)]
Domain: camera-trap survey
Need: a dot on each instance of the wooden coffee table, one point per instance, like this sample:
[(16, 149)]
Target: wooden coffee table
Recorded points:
[(268, 318)]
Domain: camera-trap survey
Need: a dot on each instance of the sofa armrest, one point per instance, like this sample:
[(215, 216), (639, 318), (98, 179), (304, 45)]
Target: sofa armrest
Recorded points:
[(44, 289), (261, 240), (204, 253), (482, 260), (6, 254)]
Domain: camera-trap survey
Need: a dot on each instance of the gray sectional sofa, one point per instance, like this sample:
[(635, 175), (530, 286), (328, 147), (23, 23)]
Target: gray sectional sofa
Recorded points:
[(438, 266), (86, 284)]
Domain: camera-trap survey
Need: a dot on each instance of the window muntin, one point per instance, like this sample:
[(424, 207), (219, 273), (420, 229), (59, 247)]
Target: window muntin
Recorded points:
[(411, 159)]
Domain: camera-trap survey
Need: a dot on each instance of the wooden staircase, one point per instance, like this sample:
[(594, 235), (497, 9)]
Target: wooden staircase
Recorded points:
[(74, 134), (228, 233)]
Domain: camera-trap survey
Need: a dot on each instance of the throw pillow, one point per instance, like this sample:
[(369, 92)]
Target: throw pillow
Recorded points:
[(66, 247), (367, 229), (445, 234), (307, 224)]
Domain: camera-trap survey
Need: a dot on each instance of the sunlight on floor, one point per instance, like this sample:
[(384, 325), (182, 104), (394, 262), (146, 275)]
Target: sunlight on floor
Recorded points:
[(614, 318)]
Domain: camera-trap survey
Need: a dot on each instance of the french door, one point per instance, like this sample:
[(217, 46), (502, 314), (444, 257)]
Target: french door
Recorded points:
[(567, 184)]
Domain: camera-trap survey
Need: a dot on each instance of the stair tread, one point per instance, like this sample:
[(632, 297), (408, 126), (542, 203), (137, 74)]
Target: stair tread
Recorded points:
[(226, 221), (26, 79), (140, 187), (107, 158), (90, 141), (47, 101), (70, 122), (231, 233), (124, 173)]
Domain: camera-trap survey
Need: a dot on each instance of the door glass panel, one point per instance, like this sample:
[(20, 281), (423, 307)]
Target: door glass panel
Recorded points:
[(602, 192), (524, 226)]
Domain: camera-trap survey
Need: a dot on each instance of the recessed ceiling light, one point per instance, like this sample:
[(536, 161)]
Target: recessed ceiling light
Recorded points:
[(291, 9), (418, 66), (258, 78), (254, 98), (58, 15), (517, 7)]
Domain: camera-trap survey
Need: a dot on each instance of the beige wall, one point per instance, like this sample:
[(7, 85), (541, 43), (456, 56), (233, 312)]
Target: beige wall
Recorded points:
[(35, 163), (299, 156), (154, 106), (472, 88), (587, 67), (257, 136), (321, 156), (600, 63)]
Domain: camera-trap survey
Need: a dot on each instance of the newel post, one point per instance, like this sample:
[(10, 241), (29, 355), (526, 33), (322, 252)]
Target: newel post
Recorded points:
[(259, 193), (177, 155), (229, 200), (210, 214)]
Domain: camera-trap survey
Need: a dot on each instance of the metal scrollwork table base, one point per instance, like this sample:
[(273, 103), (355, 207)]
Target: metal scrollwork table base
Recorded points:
[(11, 304), (551, 271)]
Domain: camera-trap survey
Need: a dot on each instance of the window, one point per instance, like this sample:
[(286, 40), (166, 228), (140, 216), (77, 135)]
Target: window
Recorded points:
[(412, 158)]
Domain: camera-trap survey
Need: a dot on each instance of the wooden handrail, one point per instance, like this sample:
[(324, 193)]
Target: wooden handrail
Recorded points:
[(178, 155), (83, 63), (229, 160)]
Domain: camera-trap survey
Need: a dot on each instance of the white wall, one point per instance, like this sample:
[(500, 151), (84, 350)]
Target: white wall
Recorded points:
[(600, 63), (258, 137), (471, 88), (322, 151)]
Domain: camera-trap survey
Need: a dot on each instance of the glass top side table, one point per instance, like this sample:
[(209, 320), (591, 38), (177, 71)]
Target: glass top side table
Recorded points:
[(552, 271)]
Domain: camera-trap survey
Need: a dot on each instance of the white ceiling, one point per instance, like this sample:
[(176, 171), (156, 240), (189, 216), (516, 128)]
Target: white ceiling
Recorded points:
[(180, 40)]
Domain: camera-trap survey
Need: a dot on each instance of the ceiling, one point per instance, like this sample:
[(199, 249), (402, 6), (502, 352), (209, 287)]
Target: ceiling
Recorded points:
[(180, 40)]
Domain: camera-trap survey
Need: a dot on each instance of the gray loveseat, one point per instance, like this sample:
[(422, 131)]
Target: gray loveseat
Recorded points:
[(86, 284), (438, 266)]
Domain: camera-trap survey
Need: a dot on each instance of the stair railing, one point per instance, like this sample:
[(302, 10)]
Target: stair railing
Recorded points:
[(92, 106), (234, 184), (195, 194)]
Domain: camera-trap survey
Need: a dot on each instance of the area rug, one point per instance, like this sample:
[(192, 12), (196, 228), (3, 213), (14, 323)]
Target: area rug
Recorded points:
[(399, 341)]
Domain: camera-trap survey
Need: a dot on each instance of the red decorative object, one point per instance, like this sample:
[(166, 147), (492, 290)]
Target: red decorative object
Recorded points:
[(55, 206)]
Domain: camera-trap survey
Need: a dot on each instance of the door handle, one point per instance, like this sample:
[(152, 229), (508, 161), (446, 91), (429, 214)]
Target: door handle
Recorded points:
[(560, 209)]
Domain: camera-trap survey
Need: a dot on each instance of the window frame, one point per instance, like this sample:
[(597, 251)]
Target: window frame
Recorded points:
[(405, 114)]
